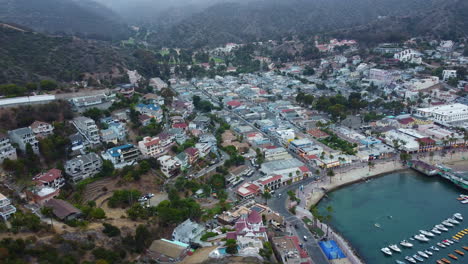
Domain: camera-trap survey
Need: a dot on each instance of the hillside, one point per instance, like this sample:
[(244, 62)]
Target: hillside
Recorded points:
[(84, 18), (262, 20), (28, 56)]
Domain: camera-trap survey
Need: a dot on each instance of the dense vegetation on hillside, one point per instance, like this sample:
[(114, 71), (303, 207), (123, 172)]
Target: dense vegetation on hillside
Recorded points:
[(84, 18)]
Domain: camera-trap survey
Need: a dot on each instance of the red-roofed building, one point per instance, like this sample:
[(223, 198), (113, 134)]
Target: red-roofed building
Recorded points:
[(154, 147), (193, 155), (406, 122), (52, 178), (270, 182), (426, 144), (248, 190), (180, 125), (317, 133), (234, 103), (249, 232)]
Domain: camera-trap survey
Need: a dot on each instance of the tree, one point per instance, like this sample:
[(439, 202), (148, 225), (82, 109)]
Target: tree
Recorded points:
[(231, 246), (110, 230), (328, 217), (266, 195), (142, 238), (48, 85)]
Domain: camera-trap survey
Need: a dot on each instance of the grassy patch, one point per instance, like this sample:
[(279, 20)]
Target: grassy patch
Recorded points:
[(316, 231)]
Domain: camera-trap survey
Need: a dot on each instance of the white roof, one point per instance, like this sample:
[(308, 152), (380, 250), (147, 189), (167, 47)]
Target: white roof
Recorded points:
[(445, 109)]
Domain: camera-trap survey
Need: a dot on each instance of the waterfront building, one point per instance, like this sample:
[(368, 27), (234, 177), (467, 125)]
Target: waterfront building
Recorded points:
[(445, 113)]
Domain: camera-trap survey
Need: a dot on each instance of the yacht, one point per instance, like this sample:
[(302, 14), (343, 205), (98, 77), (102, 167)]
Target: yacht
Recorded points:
[(395, 248), (426, 233), (422, 254), (447, 223), (418, 258), (458, 216), (453, 221), (428, 252), (435, 231), (386, 250), (441, 228), (406, 244), (422, 238), (446, 243), (441, 245), (448, 240), (399, 262), (434, 248), (410, 259)]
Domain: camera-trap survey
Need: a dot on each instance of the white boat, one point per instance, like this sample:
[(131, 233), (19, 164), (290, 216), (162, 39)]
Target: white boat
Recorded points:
[(442, 228), (458, 216), (426, 233), (395, 248), (464, 201), (399, 262), (440, 244), (422, 254), (406, 244), (428, 252), (386, 251), (422, 238), (436, 231), (453, 221), (418, 258), (448, 240), (446, 243), (447, 223), (434, 248), (410, 259)]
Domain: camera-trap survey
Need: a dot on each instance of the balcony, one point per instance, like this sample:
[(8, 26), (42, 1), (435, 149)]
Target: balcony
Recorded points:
[(6, 211)]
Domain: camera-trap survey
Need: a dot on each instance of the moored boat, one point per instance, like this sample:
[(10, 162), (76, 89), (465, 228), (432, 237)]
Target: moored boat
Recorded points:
[(441, 245), (434, 248), (399, 262), (422, 254), (428, 252), (435, 231), (453, 256), (442, 228), (446, 260), (410, 259), (439, 261), (453, 221), (447, 223), (422, 238), (465, 248), (458, 216), (418, 258), (386, 250), (449, 241), (459, 252), (406, 244), (394, 248), (426, 233)]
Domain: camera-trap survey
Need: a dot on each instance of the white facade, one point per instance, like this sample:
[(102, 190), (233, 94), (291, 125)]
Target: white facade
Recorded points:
[(6, 208), (88, 128), (447, 74), (445, 113), (23, 137), (408, 55), (83, 167), (169, 165), (7, 151)]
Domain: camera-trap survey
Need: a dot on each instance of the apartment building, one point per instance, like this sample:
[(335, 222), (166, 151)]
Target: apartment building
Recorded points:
[(88, 128), (83, 167), (23, 137), (6, 208), (42, 129), (7, 151), (122, 156)]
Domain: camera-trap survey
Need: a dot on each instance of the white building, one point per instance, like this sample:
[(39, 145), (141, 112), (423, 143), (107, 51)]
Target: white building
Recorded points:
[(421, 84), (187, 232), (445, 113), (88, 128), (408, 55), (276, 154), (83, 167), (23, 137), (122, 156), (6, 208), (170, 166), (42, 129), (157, 84), (7, 151), (447, 74)]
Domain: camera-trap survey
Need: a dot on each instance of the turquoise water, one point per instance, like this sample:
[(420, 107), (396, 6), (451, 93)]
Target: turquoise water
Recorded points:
[(401, 204)]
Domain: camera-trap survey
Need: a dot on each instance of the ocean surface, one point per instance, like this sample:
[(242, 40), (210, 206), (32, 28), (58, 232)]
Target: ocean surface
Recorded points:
[(394, 207)]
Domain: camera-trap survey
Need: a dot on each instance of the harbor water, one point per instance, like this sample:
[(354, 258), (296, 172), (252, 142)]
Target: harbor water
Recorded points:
[(385, 210)]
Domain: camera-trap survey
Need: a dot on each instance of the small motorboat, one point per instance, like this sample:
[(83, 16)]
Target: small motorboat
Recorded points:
[(434, 248), (428, 252), (442, 228), (386, 250), (406, 244), (465, 248), (439, 261), (447, 223), (453, 256), (410, 259), (455, 240), (395, 248), (422, 254), (436, 231), (399, 262), (446, 243), (446, 260), (426, 233), (453, 221), (449, 241), (458, 216), (422, 238), (464, 201), (459, 252), (441, 245), (418, 258)]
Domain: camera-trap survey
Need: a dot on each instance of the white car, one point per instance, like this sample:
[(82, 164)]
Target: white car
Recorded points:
[(305, 238)]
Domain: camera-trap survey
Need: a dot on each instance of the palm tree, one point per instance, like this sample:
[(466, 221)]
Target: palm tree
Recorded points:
[(315, 214), (328, 217), (330, 173), (266, 195)]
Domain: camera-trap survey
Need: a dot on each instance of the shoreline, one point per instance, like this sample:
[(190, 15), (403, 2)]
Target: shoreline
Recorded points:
[(320, 189)]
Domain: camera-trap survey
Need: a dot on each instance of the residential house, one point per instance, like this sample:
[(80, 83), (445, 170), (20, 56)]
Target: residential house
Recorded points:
[(203, 149), (151, 147), (87, 128), (169, 166), (144, 119), (193, 155), (41, 194), (289, 251), (7, 151), (151, 110), (52, 178), (157, 84), (248, 190), (83, 167), (250, 233), (115, 133), (183, 160), (23, 137), (42, 129), (6, 208), (122, 156), (77, 141), (62, 209), (188, 232)]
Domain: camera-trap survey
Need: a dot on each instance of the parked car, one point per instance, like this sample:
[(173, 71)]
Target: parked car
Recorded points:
[(305, 238)]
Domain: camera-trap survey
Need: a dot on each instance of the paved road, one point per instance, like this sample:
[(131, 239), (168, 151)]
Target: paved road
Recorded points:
[(278, 204), (224, 157)]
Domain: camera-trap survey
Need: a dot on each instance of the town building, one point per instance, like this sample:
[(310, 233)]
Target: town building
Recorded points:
[(83, 167), (269, 183), (278, 153), (157, 84), (6, 208), (250, 233), (193, 155), (88, 128), (7, 151), (152, 147), (122, 156), (448, 74), (41, 194), (42, 129), (288, 250), (188, 232), (445, 113), (408, 55), (151, 110), (170, 166), (23, 137), (167, 251), (52, 178), (247, 190), (62, 209)]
